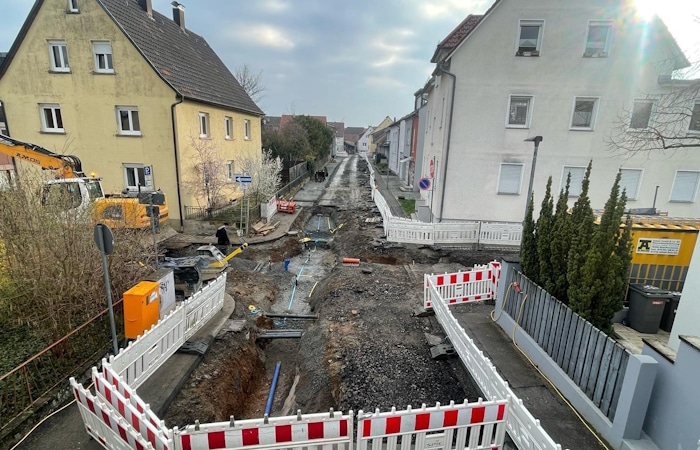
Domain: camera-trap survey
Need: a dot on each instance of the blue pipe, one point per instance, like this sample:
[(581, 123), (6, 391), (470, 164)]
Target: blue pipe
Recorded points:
[(271, 396)]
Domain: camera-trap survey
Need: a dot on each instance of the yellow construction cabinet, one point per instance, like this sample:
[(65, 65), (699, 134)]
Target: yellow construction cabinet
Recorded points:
[(141, 308)]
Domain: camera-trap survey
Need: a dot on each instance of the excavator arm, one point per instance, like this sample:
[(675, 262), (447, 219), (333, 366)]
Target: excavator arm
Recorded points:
[(63, 166)]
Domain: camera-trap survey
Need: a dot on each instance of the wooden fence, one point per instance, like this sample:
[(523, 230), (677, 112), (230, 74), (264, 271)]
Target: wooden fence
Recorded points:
[(593, 360)]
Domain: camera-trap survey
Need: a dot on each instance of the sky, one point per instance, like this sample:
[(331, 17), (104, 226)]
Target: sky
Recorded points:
[(352, 61)]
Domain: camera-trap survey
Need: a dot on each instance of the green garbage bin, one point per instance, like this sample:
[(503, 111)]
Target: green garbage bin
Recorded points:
[(647, 305), (669, 314)]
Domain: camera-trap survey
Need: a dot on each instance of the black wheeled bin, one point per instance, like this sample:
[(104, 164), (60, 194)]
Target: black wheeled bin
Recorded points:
[(669, 314), (647, 305)]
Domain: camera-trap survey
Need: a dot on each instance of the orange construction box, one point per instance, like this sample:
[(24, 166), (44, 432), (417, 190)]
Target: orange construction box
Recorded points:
[(141, 308)]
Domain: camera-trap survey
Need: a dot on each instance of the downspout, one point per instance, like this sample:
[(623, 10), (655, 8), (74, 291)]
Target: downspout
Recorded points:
[(449, 135), (177, 163)]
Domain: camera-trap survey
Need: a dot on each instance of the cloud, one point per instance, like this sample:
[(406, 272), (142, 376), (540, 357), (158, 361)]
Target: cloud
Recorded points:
[(262, 35), (439, 9), (384, 82), (274, 6)]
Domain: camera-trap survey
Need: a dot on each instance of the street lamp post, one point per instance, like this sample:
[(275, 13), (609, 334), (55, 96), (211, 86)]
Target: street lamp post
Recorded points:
[(536, 140)]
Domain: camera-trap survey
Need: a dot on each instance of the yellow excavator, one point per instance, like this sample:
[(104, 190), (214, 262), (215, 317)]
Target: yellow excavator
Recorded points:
[(80, 194)]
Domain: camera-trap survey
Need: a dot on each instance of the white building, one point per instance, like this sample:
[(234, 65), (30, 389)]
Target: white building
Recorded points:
[(363, 144), (561, 69)]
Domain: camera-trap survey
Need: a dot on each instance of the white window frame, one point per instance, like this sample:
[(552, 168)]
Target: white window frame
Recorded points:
[(135, 168), (538, 46), (56, 116), (528, 116), (134, 125), (696, 106), (590, 52), (500, 189), (675, 195), (230, 170), (631, 195), (246, 129), (204, 128), (102, 52), (638, 101), (228, 128), (594, 113), (73, 6), (58, 48), (576, 182)]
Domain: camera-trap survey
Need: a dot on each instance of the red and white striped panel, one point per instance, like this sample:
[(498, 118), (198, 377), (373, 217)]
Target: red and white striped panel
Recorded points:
[(131, 415), (108, 428), (462, 287), (113, 378), (269, 436), (431, 419), (495, 276)]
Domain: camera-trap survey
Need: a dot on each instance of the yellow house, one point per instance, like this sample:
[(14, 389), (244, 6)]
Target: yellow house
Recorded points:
[(383, 124), (144, 102)]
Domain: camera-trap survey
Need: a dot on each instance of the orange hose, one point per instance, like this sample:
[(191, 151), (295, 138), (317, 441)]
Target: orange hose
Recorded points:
[(351, 261)]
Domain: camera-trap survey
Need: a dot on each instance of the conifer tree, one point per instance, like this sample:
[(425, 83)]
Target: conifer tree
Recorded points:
[(544, 229), (528, 244), (581, 234), (560, 245)]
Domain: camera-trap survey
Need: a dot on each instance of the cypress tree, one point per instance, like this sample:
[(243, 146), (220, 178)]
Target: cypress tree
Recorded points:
[(560, 245), (544, 230), (581, 234), (528, 244)]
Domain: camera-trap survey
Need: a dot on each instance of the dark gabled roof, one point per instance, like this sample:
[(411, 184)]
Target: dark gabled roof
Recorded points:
[(456, 36), (339, 128), (3, 55), (355, 130), (183, 59)]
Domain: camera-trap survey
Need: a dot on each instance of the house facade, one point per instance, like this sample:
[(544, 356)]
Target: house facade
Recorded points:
[(364, 141), (561, 70), (88, 77), (383, 124)]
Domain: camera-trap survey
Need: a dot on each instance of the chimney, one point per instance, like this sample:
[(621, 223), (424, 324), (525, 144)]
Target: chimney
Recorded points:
[(146, 6), (179, 14)]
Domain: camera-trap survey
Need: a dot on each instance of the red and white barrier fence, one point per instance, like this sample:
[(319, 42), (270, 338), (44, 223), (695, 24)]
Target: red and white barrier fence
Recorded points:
[(479, 425), (310, 430), (478, 284)]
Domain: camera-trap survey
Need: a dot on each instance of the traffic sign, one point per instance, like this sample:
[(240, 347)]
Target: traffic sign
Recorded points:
[(243, 179), (424, 183)]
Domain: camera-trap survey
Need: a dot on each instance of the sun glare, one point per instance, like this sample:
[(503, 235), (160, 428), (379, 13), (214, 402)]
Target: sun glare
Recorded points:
[(646, 8)]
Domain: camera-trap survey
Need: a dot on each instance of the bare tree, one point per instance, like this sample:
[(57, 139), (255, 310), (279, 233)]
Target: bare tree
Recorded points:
[(266, 173), (251, 82), (210, 177)]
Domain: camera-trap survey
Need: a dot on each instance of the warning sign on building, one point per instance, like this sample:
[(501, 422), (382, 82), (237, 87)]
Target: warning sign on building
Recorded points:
[(658, 246)]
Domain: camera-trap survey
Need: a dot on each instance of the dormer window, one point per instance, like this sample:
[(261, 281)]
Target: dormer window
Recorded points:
[(598, 39), (530, 38)]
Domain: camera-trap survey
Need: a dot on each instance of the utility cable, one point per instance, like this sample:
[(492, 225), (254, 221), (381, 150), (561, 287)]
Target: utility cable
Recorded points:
[(515, 327)]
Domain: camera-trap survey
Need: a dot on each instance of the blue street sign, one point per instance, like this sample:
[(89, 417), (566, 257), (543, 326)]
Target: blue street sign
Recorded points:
[(424, 183), (243, 179)]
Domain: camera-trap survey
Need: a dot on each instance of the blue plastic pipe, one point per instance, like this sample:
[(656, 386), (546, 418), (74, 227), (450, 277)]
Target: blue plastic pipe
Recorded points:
[(271, 396)]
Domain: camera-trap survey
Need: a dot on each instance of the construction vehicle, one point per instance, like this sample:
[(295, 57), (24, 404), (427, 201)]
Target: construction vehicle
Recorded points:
[(80, 194)]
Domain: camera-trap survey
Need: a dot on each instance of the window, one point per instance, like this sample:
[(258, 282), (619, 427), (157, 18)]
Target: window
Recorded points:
[(51, 120), (230, 170), (228, 127), (629, 181), (519, 112), (585, 110), (685, 186), (128, 121), (203, 125), (103, 57), (694, 126), (577, 174), (134, 176), (641, 113), (58, 53), (246, 129), (530, 38), (73, 6), (510, 178), (598, 39)]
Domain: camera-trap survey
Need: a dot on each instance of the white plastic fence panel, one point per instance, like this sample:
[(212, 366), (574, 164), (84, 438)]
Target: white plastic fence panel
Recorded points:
[(456, 233), (108, 428), (479, 425), (475, 285), (522, 427), (309, 431), (409, 231), (507, 234), (142, 357)]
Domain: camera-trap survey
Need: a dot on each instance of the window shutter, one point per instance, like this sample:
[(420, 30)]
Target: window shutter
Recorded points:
[(684, 186), (629, 181), (102, 48), (509, 182)]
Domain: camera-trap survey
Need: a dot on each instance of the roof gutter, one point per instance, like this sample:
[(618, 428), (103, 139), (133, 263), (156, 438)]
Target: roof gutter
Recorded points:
[(181, 98), (441, 69)]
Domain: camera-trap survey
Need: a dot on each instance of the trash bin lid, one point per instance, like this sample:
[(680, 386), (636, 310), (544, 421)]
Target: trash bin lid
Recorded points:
[(651, 291)]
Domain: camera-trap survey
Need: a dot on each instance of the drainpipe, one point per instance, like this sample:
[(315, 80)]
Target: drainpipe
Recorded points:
[(449, 135), (177, 163)]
